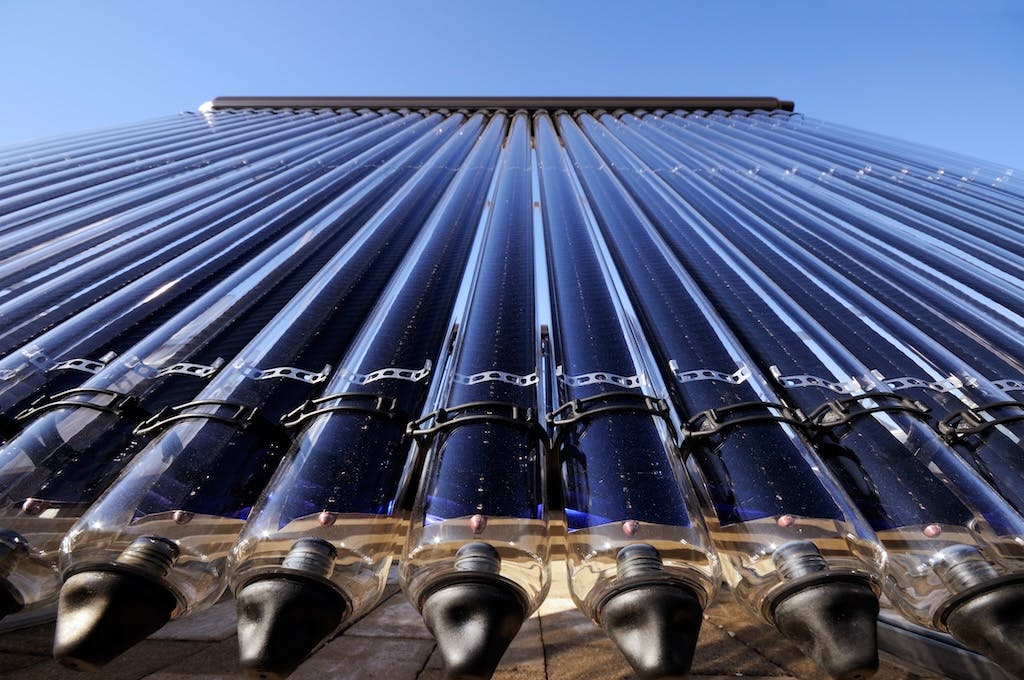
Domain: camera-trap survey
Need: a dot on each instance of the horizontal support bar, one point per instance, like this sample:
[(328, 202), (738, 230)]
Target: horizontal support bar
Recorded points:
[(510, 103)]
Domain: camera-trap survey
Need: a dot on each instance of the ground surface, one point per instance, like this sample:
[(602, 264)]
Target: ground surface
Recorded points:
[(391, 643)]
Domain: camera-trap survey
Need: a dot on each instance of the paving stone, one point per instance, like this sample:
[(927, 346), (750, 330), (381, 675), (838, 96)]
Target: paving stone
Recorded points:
[(434, 668), (395, 617), (435, 662), (144, 659), (763, 642), (13, 662), (557, 605), (364, 658), (188, 676), (731, 642), (720, 653), (576, 649), (212, 660), (29, 619), (219, 622), (37, 640), (524, 659)]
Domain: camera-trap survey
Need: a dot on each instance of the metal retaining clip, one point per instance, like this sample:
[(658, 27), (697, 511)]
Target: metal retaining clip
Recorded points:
[(477, 412), (242, 418), (716, 420), (349, 402), (609, 402), (119, 404), (841, 411), (959, 424)]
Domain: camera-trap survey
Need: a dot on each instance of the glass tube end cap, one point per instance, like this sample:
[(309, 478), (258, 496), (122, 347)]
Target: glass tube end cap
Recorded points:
[(282, 620), (833, 623), (101, 614), (12, 548), (992, 623), (9, 603), (655, 626), (473, 622)]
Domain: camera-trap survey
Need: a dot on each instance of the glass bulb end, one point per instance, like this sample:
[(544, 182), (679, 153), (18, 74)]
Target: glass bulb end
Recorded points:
[(655, 626), (833, 623), (992, 623), (102, 614), (282, 620), (473, 622)]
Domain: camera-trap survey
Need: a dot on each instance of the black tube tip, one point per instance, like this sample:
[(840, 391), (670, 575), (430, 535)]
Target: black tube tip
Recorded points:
[(835, 624), (992, 624), (473, 622), (9, 604), (101, 614), (655, 627), (282, 620), (12, 548)]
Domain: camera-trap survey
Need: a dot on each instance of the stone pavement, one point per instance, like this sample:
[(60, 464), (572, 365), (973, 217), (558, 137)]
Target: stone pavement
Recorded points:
[(391, 643)]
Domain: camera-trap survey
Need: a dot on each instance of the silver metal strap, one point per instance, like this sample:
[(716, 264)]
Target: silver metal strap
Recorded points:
[(692, 375), (807, 380), (1009, 385), (290, 372), (500, 376), (92, 366), (949, 384), (392, 373), (198, 370), (84, 365), (601, 377)]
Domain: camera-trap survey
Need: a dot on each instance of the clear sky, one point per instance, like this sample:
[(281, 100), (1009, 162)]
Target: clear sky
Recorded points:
[(948, 74)]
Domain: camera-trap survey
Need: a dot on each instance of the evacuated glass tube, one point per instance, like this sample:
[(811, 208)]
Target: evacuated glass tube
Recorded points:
[(479, 535)]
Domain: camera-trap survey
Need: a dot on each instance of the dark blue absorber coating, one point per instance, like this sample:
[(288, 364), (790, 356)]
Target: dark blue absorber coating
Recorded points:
[(352, 462), (755, 471), (900, 491), (494, 468), (614, 466)]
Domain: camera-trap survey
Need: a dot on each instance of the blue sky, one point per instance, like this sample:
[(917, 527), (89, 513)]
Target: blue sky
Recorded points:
[(947, 74)]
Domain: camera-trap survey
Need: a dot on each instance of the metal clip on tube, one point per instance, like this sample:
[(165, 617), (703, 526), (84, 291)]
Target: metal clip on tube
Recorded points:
[(244, 418), (577, 410), (345, 402), (839, 412), (713, 422), (475, 412), (118, 404), (972, 421)]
